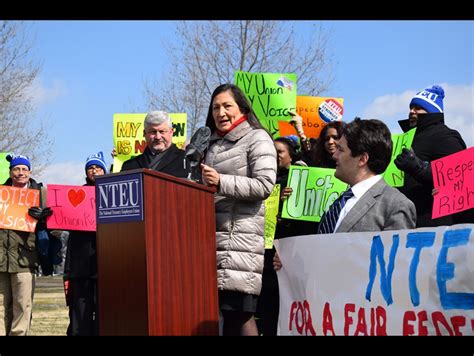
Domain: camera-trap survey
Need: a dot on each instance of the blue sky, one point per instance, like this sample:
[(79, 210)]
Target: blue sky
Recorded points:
[(93, 69)]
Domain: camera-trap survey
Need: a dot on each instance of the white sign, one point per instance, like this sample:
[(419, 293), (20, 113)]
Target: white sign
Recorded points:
[(407, 282)]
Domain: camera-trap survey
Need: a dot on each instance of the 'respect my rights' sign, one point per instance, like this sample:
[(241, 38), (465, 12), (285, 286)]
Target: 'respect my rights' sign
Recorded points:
[(119, 198)]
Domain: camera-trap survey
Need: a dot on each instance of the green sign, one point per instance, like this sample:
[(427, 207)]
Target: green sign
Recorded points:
[(314, 190), (393, 176), (4, 168), (272, 95), (271, 211)]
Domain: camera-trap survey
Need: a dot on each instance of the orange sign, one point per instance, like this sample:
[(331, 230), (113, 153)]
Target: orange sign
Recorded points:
[(316, 113), (14, 205)]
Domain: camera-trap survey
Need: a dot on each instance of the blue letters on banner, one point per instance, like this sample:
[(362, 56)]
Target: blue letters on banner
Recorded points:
[(417, 240), (385, 275), (445, 271)]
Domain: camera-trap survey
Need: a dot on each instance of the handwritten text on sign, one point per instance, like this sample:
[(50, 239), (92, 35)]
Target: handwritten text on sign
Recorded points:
[(312, 110), (392, 175), (73, 207), (14, 205), (314, 190), (453, 175), (406, 282), (129, 139), (272, 95)]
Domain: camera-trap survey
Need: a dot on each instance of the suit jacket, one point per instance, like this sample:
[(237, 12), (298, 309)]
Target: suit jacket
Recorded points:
[(381, 208), (173, 163)]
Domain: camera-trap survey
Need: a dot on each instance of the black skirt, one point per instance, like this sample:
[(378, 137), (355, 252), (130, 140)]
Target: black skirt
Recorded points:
[(237, 301)]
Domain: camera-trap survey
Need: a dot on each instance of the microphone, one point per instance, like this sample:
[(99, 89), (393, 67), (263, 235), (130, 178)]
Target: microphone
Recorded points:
[(196, 150)]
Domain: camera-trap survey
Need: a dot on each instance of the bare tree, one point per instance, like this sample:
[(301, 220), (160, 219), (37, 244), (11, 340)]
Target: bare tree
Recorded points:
[(211, 51), (19, 132)]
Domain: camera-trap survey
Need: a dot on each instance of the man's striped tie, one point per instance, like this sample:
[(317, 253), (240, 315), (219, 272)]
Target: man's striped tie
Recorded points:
[(329, 220)]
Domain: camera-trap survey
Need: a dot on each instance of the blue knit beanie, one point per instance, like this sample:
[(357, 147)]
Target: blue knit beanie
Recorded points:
[(97, 159), (294, 140), (430, 99), (17, 160)]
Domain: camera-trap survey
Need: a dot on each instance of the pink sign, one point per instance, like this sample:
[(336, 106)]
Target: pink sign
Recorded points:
[(453, 176), (73, 207)]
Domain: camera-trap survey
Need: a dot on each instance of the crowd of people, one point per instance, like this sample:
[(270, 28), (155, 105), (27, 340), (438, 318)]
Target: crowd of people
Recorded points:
[(243, 163)]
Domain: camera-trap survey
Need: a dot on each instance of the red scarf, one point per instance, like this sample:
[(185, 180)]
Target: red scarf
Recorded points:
[(233, 126)]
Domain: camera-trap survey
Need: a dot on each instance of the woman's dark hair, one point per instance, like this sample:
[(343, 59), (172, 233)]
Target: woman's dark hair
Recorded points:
[(319, 156), (371, 136), (242, 103), (295, 154)]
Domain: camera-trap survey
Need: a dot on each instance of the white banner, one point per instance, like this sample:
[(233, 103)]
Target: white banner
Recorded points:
[(407, 282)]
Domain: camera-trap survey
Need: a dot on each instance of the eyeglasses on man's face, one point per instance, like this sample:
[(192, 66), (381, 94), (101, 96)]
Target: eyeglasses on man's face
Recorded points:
[(94, 168), (20, 169), (153, 132)]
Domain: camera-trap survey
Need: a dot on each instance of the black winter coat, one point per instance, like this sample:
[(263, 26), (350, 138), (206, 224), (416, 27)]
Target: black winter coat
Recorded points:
[(433, 140), (173, 163)]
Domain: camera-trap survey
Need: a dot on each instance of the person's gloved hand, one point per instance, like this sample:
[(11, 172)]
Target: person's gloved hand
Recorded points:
[(46, 212), (39, 213), (408, 162), (35, 212)]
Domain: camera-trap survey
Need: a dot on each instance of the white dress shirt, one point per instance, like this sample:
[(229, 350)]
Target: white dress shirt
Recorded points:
[(359, 190)]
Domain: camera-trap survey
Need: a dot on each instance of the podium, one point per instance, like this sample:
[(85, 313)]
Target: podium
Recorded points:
[(156, 255)]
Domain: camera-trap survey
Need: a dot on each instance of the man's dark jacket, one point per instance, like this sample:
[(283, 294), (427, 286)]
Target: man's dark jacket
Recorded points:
[(19, 249), (173, 163), (433, 140)]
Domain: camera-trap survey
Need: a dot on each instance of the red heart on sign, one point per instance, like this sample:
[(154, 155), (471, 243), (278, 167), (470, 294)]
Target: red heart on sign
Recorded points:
[(76, 197)]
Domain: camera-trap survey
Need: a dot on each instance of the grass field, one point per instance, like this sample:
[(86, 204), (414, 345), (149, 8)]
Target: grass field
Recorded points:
[(50, 313)]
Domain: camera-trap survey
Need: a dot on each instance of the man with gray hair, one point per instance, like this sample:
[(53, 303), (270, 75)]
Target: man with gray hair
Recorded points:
[(161, 154)]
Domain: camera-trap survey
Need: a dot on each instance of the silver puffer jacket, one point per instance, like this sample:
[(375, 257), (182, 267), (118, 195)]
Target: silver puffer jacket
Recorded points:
[(247, 161)]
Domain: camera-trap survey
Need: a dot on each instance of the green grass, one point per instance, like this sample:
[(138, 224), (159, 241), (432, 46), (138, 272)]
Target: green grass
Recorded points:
[(50, 313)]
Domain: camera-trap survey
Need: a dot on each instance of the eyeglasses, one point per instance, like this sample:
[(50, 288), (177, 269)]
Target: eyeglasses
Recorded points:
[(154, 132), (20, 169), (94, 168)]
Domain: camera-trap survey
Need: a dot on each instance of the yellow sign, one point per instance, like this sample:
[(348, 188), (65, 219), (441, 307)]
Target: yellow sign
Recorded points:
[(129, 140)]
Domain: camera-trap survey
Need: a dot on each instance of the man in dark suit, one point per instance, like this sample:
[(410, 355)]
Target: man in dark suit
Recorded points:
[(161, 154), (363, 153)]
